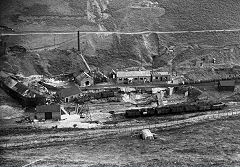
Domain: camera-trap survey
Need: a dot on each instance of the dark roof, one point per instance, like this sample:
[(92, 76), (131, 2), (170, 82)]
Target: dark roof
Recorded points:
[(83, 75), (227, 83), (48, 108), (25, 91), (20, 88), (73, 90)]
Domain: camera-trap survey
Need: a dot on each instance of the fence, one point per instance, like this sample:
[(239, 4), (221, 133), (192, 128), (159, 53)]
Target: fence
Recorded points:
[(175, 123)]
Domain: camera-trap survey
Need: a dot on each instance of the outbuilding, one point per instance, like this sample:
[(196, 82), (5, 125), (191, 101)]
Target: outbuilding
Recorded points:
[(133, 76), (84, 79), (69, 94), (48, 112), (227, 85)]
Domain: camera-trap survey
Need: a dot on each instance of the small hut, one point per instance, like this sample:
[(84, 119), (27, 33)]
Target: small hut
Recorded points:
[(228, 85)]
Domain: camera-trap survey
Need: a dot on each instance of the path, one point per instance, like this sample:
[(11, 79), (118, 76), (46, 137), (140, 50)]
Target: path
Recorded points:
[(112, 32), (29, 140)]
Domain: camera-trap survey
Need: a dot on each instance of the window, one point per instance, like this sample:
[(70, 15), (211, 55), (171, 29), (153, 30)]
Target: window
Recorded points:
[(135, 78), (141, 78), (156, 78)]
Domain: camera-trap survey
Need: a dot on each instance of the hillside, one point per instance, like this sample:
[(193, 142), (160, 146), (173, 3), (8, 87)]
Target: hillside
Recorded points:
[(119, 51)]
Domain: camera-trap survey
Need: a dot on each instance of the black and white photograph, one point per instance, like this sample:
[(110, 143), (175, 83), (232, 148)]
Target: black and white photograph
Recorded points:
[(119, 83)]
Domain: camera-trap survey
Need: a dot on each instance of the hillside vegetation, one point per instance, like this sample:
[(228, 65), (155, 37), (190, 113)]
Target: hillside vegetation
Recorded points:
[(119, 51)]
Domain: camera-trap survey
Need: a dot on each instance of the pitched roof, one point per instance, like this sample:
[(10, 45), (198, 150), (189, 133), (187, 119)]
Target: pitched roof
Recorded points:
[(73, 90), (20, 88), (48, 108), (83, 75), (123, 74)]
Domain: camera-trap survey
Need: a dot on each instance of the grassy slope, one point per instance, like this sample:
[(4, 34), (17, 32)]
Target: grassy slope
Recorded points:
[(202, 14), (215, 143), (71, 15)]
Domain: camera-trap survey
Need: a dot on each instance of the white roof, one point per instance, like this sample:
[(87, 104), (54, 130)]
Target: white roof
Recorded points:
[(147, 133), (123, 74), (159, 73)]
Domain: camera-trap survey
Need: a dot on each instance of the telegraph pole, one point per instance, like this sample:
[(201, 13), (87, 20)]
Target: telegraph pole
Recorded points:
[(78, 41)]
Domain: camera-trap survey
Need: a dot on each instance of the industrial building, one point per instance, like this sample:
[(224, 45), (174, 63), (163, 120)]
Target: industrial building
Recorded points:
[(133, 76), (84, 79), (69, 94), (48, 112), (160, 76), (142, 76)]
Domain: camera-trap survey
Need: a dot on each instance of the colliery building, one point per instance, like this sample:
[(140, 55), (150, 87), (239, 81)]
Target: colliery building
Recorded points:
[(133, 77), (160, 76), (127, 77), (48, 112)]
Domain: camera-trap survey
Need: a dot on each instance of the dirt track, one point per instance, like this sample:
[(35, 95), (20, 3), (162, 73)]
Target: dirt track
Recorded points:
[(116, 32), (36, 140), (214, 143)]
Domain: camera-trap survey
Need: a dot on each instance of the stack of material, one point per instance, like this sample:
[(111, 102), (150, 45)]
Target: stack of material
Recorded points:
[(147, 134)]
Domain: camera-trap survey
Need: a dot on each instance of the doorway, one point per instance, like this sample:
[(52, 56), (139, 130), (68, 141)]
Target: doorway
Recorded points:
[(48, 115), (87, 83)]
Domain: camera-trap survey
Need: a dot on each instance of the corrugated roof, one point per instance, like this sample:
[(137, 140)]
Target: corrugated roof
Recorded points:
[(227, 83), (122, 74), (20, 88)]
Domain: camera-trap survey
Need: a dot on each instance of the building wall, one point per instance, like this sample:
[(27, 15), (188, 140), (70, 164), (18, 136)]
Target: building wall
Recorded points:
[(71, 98), (136, 79), (83, 82), (54, 109), (55, 116), (161, 78)]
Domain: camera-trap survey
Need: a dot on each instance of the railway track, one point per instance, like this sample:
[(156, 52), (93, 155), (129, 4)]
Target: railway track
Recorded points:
[(72, 136)]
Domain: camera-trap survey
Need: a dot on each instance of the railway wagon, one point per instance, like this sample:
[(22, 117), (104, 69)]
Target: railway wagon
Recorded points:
[(147, 111), (106, 94), (177, 109), (218, 106), (97, 95), (191, 108), (163, 110), (133, 113), (151, 111), (204, 107)]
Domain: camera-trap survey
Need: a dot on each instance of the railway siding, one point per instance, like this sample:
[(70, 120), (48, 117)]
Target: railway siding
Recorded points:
[(46, 140)]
